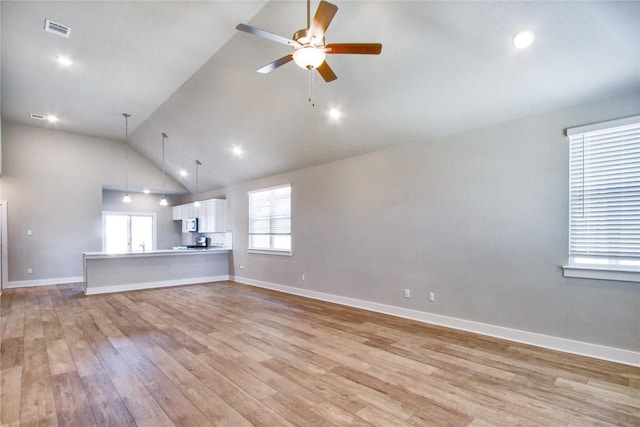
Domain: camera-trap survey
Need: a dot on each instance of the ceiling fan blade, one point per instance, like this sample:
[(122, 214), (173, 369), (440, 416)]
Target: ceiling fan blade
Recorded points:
[(275, 64), (326, 72), (325, 13), (354, 48), (267, 35)]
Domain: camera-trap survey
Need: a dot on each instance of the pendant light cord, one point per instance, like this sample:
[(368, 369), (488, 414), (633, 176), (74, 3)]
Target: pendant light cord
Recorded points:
[(164, 136), (126, 151), (198, 163)]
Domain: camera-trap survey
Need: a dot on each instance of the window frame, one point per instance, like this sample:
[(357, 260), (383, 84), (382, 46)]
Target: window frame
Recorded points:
[(588, 265), (154, 222), (271, 250)]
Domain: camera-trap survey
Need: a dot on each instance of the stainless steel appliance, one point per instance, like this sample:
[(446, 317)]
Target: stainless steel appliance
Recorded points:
[(201, 243), (192, 224)]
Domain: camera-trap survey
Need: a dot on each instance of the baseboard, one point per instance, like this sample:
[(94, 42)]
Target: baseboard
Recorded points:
[(43, 282), (153, 285), (611, 354)]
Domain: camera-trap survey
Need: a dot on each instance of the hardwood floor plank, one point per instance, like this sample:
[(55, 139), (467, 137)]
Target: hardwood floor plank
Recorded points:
[(107, 406), (213, 406), (72, 404), (233, 355), (338, 416), (38, 402), (10, 393), (11, 352), (295, 412)]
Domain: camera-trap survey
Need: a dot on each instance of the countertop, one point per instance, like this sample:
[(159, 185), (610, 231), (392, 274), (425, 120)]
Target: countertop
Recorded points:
[(157, 252)]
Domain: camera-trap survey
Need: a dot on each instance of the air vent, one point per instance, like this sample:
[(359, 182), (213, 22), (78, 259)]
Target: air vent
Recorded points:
[(55, 28), (37, 116)]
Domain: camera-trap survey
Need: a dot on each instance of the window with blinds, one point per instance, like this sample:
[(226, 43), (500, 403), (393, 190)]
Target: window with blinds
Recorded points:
[(270, 220), (604, 192)]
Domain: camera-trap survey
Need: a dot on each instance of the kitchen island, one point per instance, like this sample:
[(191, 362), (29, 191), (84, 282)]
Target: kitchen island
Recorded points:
[(109, 272)]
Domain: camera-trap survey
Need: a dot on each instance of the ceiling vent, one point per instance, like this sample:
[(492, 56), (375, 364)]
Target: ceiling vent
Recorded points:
[(37, 116), (58, 29)]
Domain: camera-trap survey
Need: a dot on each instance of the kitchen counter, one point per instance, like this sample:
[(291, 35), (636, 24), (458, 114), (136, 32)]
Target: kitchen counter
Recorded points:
[(157, 252), (116, 272)]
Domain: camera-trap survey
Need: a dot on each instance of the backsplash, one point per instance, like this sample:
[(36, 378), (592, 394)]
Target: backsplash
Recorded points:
[(223, 240), (220, 240)]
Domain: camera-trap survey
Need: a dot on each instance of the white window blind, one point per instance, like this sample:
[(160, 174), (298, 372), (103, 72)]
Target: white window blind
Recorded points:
[(270, 219), (605, 194)]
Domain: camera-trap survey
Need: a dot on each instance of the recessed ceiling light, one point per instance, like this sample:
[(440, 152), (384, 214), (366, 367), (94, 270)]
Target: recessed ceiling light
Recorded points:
[(334, 113), (237, 151), (65, 61), (52, 119), (146, 191), (183, 173), (524, 39)]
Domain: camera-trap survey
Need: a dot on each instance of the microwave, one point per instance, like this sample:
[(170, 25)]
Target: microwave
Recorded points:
[(192, 224)]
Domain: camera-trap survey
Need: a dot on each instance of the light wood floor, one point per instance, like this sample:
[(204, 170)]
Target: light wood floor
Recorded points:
[(228, 354)]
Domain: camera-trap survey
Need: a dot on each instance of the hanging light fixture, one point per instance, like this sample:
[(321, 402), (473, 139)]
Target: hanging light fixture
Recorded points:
[(163, 201), (126, 198), (309, 57), (197, 203)]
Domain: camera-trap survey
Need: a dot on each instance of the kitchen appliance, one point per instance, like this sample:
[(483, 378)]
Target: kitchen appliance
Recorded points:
[(192, 224), (201, 242)]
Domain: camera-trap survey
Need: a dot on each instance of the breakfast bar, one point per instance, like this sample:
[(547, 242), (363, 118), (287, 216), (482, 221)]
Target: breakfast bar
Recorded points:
[(114, 272)]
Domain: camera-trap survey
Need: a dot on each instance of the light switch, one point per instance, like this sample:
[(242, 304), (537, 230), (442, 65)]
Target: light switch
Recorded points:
[(29, 233)]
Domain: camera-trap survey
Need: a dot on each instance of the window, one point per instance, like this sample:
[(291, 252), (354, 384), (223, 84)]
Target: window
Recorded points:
[(604, 193), (270, 220), (124, 232)]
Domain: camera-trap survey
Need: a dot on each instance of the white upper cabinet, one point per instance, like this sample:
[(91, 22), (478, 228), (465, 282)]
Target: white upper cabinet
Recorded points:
[(176, 213), (210, 215)]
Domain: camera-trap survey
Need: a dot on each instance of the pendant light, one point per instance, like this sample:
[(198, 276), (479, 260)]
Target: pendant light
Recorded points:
[(163, 201), (197, 203), (126, 198)]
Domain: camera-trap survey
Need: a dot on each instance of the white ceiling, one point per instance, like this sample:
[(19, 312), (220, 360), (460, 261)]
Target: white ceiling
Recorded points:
[(182, 68)]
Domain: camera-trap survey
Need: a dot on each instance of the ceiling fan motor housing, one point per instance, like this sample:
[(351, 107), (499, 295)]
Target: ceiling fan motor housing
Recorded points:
[(305, 39)]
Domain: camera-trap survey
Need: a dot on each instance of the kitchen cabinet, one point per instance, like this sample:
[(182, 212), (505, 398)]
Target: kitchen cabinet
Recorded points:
[(188, 211), (176, 213), (211, 216)]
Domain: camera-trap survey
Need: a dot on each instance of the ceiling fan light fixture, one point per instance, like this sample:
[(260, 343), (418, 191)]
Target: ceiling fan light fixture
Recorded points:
[(309, 57)]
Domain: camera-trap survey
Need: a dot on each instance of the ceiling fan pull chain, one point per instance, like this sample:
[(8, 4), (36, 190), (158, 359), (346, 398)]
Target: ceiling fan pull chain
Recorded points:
[(311, 88)]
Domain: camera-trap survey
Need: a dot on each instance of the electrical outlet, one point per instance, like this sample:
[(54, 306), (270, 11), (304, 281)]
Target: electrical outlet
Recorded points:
[(242, 267), (302, 277), (432, 296), (29, 270), (29, 233), (407, 293)]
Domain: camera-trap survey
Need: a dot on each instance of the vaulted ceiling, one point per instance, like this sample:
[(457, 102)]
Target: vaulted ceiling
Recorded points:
[(180, 67)]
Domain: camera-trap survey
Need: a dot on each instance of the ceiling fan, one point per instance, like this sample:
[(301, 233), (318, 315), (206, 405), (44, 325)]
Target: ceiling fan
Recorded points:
[(309, 44)]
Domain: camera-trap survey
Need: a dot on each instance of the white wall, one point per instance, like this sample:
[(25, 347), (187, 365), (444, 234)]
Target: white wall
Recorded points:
[(479, 218), (53, 183)]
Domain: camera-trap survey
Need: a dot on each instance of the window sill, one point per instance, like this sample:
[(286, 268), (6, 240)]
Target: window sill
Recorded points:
[(601, 273), (270, 252)]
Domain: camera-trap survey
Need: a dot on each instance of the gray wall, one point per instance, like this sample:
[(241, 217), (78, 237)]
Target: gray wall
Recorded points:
[(479, 218), (53, 183)]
